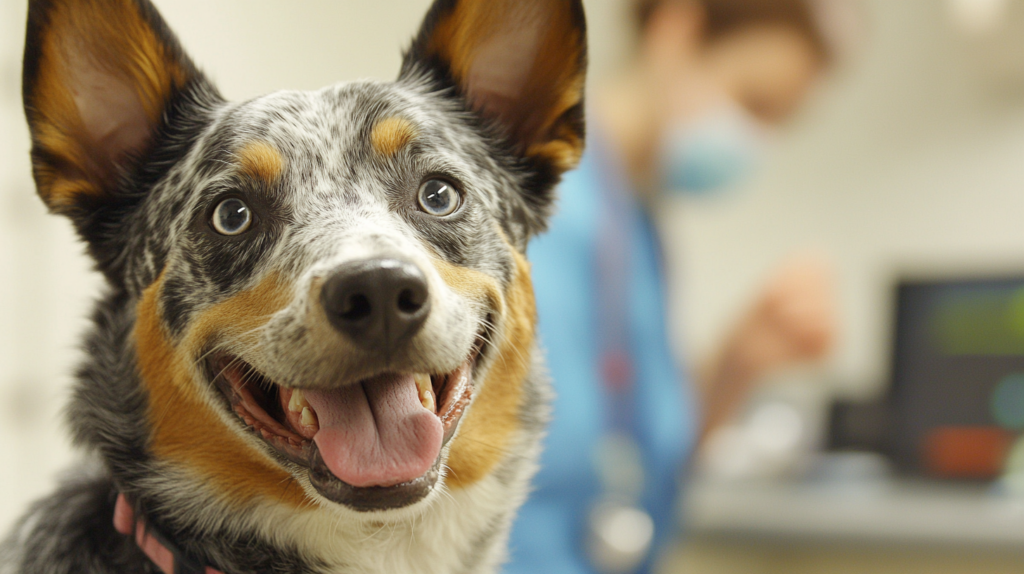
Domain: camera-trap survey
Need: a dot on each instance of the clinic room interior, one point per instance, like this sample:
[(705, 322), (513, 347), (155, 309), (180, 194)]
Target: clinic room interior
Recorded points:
[(886, 209)]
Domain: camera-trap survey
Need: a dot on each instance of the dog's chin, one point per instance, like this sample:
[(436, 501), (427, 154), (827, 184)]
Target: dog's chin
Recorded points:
[(288, 420)]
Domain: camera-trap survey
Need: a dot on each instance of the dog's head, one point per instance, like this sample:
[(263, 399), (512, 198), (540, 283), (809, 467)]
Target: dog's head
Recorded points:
[(327, 292)]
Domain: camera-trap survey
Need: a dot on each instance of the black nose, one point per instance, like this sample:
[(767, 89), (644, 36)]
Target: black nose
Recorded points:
[(378, 303)]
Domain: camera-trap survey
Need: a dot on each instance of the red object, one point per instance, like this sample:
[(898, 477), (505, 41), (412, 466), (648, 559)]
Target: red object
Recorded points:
[(966, 452), (124, 522), (618, 371)]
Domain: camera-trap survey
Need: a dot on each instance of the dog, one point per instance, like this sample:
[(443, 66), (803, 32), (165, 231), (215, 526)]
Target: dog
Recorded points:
[(315, 352)]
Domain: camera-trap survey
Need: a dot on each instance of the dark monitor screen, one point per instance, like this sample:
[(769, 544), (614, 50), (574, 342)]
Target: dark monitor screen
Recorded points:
[(957, 396)]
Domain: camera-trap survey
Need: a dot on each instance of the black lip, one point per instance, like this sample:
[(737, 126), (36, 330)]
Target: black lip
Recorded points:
[(369, 498)]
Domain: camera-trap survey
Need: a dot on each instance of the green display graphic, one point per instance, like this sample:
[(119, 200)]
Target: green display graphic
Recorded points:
[(988, 323)]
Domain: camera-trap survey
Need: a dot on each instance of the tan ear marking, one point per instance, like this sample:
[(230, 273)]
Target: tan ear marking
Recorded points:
[(541, 47), (565, 148), (390, 135), (85, 59), (260, 160), (115, 34)]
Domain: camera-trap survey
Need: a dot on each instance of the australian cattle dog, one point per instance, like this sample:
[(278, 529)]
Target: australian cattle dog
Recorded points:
[(315, 352)]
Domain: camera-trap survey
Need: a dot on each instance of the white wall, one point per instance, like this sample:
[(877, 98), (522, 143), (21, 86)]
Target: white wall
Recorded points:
[(43, 287), (905, 159), (910, 159)]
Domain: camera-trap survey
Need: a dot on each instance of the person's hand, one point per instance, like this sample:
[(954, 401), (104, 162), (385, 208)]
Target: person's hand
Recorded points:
[(792, 321)]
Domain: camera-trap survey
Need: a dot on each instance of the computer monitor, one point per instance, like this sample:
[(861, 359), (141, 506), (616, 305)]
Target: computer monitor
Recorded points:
[(956, 402)]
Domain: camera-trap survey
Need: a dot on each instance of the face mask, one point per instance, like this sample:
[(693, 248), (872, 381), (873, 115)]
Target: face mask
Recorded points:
[(704, 155)]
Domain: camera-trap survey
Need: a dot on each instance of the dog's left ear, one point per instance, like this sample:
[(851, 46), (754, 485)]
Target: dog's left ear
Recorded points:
[(99, 78), (519, 63)]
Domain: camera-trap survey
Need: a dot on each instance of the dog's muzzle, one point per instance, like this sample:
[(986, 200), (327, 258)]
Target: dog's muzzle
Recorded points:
[(374, 443)]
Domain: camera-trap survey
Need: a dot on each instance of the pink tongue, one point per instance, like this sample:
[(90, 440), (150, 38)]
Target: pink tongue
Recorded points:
[(376, 433)]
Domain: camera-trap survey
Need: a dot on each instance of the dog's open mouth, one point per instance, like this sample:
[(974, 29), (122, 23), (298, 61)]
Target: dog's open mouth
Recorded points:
[(370, 445)]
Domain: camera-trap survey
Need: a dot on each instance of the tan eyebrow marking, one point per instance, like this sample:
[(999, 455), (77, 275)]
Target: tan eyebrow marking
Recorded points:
[(390, 135), (260, 159)]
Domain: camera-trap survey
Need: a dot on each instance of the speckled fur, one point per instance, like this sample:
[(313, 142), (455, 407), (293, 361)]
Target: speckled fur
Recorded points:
[(335, 201)]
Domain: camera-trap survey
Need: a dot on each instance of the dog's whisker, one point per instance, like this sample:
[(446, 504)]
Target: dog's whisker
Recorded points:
[(223, 345), (230, 365)]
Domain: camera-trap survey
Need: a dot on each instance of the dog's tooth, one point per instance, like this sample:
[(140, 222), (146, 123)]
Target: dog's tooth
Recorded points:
[(297, 402), (426, 391), (427, 398), (309, 417), (422, 381)]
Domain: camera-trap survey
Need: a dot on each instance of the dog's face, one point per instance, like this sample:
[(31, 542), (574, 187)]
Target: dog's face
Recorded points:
[(335, 283), (329, 296)]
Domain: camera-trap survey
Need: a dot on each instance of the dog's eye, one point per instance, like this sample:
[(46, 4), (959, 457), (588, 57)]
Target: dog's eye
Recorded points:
[(438, 197), (232, 217)]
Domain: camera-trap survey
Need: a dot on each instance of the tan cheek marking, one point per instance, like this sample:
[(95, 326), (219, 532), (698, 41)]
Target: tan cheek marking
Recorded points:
[(240, 316), (185, 429), (118, 35), (494, 417), (390, 135), (260, 160), (471, 284)]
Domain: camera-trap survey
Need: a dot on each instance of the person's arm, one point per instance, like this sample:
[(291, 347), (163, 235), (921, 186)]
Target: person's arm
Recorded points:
[(793, 320)]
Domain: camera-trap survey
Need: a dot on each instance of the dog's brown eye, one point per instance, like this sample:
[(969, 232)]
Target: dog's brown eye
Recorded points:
[(232, 217), (438, 197)]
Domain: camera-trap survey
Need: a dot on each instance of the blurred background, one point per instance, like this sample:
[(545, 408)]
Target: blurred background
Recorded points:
[(907, 166)]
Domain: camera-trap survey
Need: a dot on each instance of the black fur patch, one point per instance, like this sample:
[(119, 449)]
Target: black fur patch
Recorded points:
[(72, 532)]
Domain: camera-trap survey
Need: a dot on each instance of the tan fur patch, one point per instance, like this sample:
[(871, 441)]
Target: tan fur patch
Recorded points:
[(556, 79), (472, 284), (186, 430), (260, 160), (390, 135), (115, 34), (564, 147), (494, 417)]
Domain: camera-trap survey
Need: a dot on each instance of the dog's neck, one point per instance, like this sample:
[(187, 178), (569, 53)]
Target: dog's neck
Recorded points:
[(167, 555)]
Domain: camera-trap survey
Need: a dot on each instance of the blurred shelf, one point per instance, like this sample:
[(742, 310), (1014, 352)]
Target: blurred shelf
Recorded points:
[(877, 512)]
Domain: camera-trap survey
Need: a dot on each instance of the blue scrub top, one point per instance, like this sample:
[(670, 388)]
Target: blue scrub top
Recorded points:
[(549, 534)]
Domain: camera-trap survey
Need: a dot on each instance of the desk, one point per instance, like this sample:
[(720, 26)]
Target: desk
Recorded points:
[(879, 527)]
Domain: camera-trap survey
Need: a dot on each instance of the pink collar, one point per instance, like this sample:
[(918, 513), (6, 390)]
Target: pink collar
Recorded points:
[(161, 552)]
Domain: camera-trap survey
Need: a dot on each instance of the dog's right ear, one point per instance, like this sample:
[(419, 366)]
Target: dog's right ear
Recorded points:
[(98, 78)]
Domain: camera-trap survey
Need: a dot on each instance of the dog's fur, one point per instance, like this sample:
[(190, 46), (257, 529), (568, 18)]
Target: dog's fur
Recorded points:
[(136, 147)]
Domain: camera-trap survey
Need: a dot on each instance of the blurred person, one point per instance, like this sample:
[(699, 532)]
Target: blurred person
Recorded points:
[(690, 113)]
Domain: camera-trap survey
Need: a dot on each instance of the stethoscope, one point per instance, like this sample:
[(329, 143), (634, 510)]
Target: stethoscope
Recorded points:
[(620, 532)]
